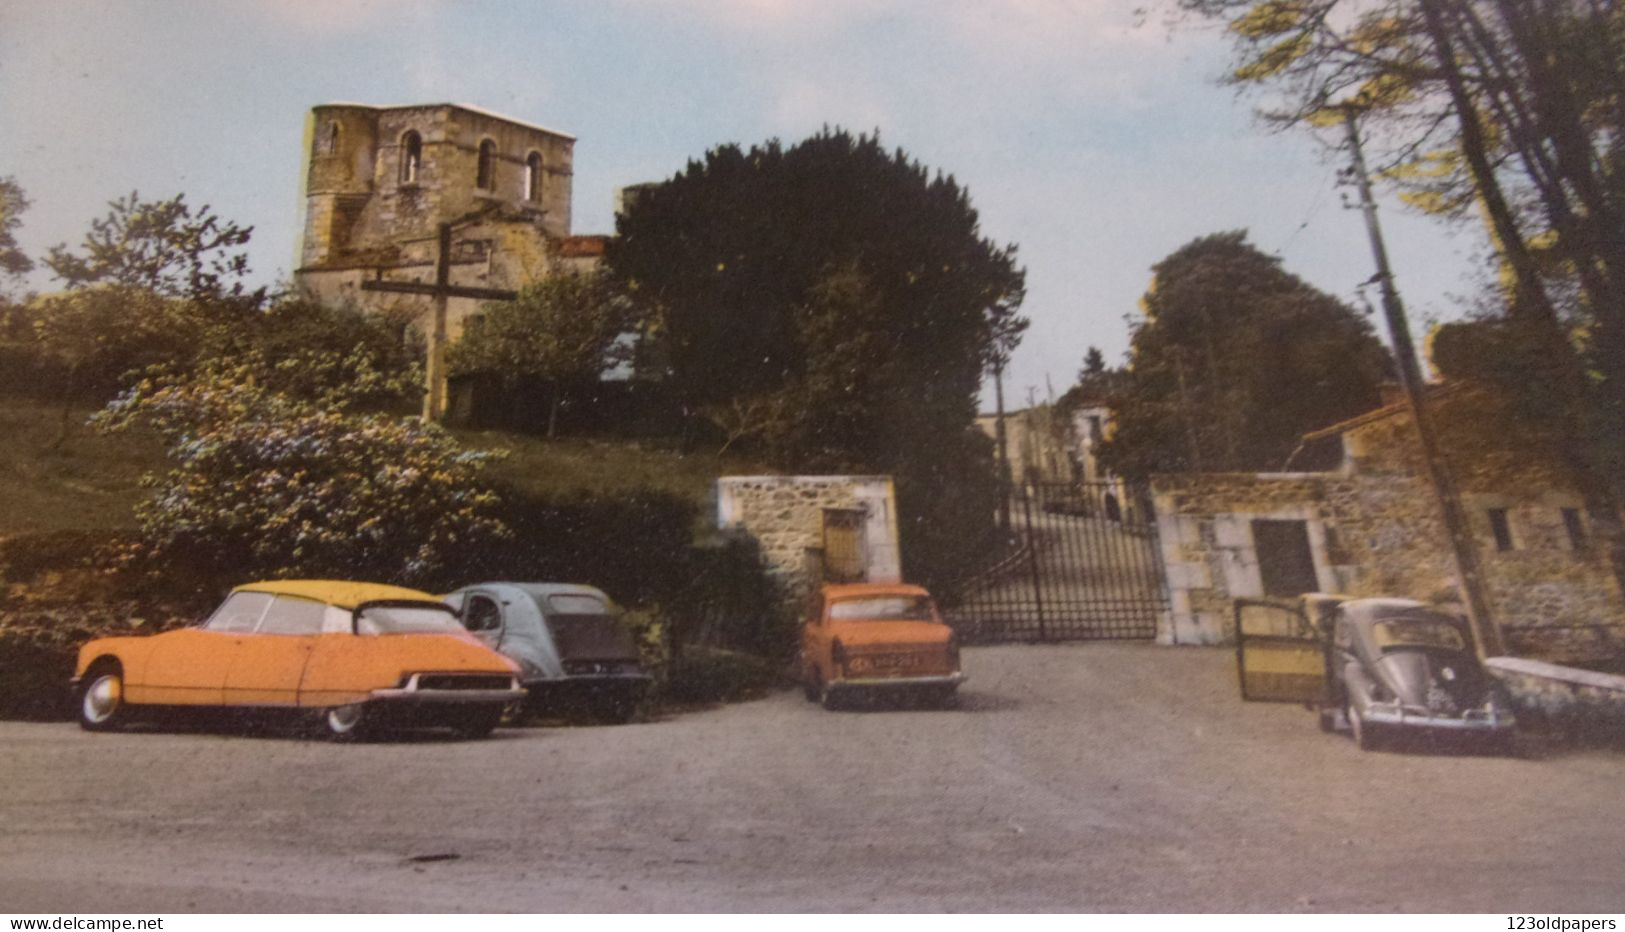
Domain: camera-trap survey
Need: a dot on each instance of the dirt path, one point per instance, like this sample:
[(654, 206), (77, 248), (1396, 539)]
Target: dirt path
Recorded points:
[(1094, 777)]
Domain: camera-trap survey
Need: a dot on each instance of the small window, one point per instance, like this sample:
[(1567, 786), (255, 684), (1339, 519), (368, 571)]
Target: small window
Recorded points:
[(289, 615), (482, 614), (1500, 527), (327, 141), (485, 177), (411, 157), (533, 177), (240, 613), (1575, 526)]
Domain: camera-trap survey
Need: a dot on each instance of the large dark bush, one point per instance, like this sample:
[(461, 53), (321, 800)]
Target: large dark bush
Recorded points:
[(61, 589)]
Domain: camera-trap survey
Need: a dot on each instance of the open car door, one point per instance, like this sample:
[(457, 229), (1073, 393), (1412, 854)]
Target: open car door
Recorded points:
[(1280, 652)]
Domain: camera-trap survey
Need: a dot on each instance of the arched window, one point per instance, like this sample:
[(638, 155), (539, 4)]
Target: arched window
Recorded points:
[(485, 177), (411, 157), (327, 141), (533, 177)]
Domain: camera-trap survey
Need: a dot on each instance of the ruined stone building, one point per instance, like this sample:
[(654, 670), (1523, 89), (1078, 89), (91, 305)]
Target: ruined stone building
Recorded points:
[(1359, 516), (1060, 444), (380, 180)]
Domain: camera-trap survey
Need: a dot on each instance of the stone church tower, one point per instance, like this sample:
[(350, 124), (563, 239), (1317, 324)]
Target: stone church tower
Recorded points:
[(380, 180)]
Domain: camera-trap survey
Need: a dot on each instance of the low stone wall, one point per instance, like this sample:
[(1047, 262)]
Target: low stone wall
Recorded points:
[(1556, 693), (785, 515)]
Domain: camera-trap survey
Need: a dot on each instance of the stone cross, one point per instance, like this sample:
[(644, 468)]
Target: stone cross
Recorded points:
[(434, 402)]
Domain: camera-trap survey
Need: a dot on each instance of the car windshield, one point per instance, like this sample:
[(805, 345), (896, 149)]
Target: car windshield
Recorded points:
[(406, 618), (1418, 631), (884, 608)]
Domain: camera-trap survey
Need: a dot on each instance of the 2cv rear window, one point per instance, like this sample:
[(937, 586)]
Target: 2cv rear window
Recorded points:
[(1418, 631), (577, 605), (584, 628)]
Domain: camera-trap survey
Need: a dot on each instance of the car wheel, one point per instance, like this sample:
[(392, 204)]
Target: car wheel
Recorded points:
[(828, 698), (477, 722), (347, 722), (101, 699), (1365, 736), (947, 697), (810, 685), (1328, 720)]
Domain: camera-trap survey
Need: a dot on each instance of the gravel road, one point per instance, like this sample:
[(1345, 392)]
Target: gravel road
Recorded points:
[(1088, 777)]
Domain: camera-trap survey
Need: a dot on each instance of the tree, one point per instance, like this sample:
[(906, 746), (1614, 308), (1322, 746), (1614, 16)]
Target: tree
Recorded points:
[(842, 289), (1512, 108), (166, 247), (1235, 360), (268, 484), (564, 329), (737, 255), (89, 343), (1094, 364), (13, 261)]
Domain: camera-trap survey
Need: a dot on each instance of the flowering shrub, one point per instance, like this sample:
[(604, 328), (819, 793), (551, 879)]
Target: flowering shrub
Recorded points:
[(270, 483)]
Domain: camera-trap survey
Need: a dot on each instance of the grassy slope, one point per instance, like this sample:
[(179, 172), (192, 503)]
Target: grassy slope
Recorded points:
[(82, 480), (93, 481)]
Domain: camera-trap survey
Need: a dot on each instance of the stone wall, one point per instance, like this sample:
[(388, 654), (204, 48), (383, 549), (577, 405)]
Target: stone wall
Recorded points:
[(785, 514), (1374, 529)]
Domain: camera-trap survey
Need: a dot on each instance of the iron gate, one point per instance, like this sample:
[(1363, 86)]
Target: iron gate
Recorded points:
[(1079, 561)]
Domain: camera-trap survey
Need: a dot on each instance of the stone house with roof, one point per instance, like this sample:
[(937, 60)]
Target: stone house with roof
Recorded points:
[(1353, 512)]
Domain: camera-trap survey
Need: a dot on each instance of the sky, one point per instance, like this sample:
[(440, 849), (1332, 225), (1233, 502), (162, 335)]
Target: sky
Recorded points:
[(1096, 140)]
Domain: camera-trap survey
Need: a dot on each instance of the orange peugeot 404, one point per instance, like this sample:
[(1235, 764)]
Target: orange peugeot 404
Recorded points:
[(354, 655), (878, 638)]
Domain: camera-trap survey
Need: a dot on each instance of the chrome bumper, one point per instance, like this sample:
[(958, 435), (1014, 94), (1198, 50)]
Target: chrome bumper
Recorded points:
[(413, 693), (1475, 720), (895, 682)]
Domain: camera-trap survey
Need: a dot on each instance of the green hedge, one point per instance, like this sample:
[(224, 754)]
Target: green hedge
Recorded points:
[(703, 675)]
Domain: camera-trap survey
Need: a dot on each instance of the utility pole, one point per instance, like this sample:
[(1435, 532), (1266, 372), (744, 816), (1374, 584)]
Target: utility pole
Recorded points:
[(1003, 450), (1463, 552)]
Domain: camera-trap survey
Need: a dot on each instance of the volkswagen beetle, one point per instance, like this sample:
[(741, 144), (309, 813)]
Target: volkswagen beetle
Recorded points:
[(573, 652), (1377, 667), (355, 654), (1398, 665), (874, 638)]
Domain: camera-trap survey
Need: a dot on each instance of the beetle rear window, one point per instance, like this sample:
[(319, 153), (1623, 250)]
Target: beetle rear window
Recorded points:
[(884, 608), (1418, 632), (406, 618)]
